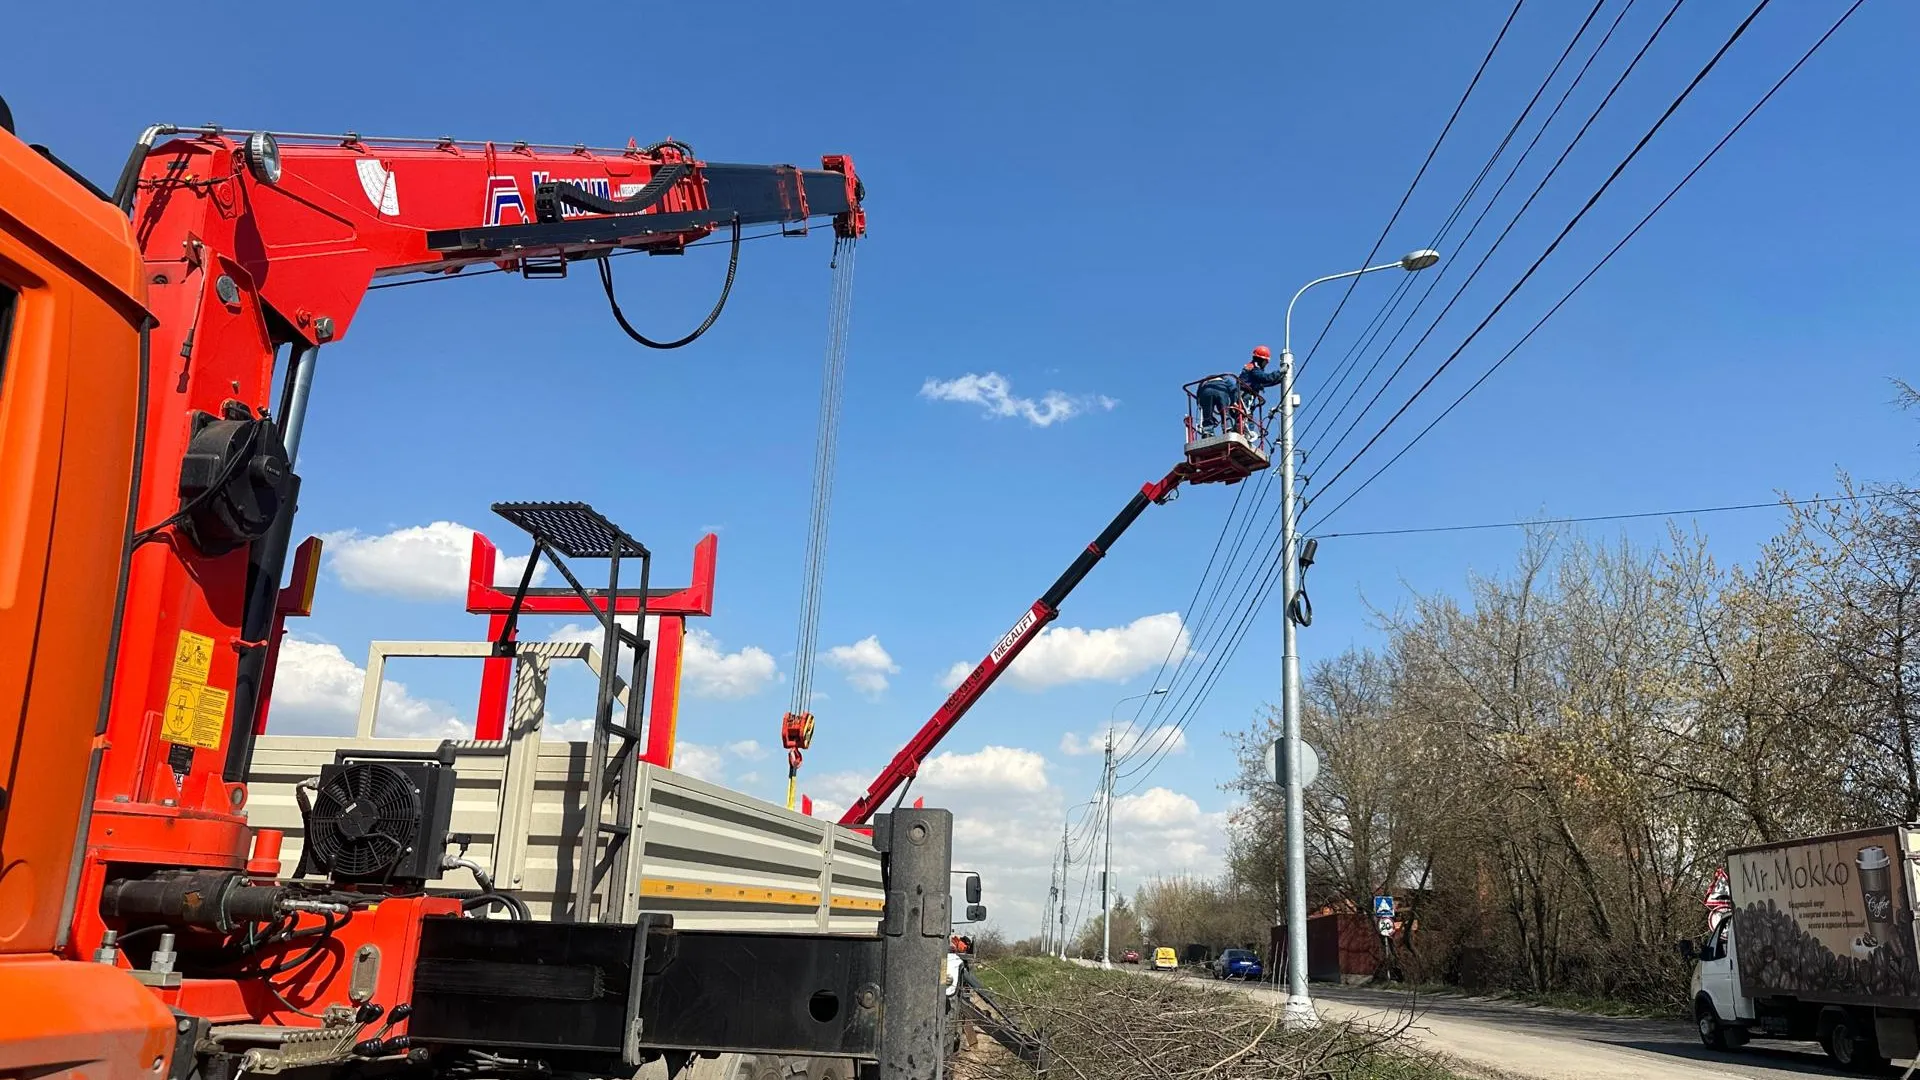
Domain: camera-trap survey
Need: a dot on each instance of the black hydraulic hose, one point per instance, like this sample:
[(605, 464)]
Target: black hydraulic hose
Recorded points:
[(733, 265), (516, 908)]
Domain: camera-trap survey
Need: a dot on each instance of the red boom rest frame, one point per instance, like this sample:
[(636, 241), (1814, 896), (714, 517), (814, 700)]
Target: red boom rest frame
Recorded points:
[(672, 606)]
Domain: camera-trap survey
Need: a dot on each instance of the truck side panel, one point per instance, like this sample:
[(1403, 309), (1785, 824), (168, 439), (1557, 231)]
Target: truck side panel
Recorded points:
[(1829, 918), (713, 858)]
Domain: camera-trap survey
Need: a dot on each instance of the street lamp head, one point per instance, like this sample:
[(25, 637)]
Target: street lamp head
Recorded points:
[(1419, 260), (1159, 690)]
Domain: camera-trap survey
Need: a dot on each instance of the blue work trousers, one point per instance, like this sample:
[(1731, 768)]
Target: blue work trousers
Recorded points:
[(1216, 397)]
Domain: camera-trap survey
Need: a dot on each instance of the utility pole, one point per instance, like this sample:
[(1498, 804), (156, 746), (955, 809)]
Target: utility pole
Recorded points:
[(1299, 1012), (1064, 875), (1046, 917), (1106, 862), (1106, 867)]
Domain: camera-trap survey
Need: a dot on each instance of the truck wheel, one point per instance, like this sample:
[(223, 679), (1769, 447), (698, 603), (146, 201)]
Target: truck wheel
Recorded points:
[(1714, 1034), (1851, 1047)]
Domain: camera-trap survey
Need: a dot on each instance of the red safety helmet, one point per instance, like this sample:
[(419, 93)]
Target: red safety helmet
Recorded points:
[(1261, 352)]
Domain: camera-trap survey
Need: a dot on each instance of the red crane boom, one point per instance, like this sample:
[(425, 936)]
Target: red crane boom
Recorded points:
[(906, 764)]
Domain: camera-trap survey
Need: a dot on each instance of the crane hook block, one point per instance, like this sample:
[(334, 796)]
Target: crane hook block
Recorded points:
[(796, 731)]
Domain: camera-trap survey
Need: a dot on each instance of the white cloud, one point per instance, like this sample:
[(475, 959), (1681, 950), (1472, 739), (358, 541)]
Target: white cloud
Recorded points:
[(833, 792), (747, 779), (699, 762), (866, 663), (579, 729), (1156, 807), (750, 749), (1065, 654), (316, 691), (1169, 824), (420, 562), (992, 768), (956, 675), (706, 669), (1162, 738), (1007, 815), (993, 393)]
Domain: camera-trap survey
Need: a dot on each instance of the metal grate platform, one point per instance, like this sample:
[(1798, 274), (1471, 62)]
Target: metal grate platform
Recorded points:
[(572, 529)]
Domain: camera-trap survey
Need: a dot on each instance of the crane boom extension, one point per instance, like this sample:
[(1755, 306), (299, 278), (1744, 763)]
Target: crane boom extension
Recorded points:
[(906, 764)]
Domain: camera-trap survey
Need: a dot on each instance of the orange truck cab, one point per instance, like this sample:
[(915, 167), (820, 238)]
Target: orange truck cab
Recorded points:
[(72, 349)]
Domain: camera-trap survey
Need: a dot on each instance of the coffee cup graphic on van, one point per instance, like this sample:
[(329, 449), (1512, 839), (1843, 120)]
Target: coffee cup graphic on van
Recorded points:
[(1875, 871)]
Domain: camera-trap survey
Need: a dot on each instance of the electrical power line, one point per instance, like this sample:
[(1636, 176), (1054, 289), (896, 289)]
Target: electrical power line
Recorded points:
[(1631, 233), (1159, 741), (1185, 703), (1435, 149), (1592, 200), (1190, 698), (1526, 205), (1690, 511), (1314, 421)]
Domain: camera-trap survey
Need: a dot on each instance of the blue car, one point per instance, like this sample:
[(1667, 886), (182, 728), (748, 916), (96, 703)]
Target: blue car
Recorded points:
[(1237, 964)]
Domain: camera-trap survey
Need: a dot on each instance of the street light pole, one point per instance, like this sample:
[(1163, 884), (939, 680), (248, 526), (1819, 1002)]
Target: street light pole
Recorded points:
[(1106, 860), (1300, 1013)]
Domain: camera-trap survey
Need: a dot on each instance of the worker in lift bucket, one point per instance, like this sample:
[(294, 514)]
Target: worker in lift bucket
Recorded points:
[(1218, 395)]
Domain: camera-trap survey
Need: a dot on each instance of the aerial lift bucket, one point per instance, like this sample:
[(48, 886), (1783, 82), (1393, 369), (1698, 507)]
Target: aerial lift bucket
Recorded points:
[(1233, 453)]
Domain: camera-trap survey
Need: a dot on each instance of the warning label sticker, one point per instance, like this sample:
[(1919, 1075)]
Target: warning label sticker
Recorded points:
[(196, 713)]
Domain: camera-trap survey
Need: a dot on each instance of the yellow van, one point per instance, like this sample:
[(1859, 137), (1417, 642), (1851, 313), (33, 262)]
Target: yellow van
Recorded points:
[(1165, 959)]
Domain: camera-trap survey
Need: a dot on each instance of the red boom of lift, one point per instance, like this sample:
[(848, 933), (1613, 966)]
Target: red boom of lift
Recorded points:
[(906, 764), (1228, 457)]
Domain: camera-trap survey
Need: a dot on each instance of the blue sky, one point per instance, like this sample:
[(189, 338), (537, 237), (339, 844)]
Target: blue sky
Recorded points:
[(1100, 206)]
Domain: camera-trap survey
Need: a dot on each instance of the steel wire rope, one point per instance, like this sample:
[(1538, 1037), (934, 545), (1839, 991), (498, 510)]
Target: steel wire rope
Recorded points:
[(1365, 342), (1422, 171), (1631, 233), (825, 456), (1504, 233)]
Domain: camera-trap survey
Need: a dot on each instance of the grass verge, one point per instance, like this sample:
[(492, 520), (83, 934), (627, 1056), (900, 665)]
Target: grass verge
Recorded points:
[(1117, 1025)]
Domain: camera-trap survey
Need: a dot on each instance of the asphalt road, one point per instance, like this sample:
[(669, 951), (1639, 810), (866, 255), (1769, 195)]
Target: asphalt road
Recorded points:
[(1509, 1040), (1517, 1042)]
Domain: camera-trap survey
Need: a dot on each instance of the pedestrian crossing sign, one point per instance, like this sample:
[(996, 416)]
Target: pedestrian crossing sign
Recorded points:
[(1383, 907)]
